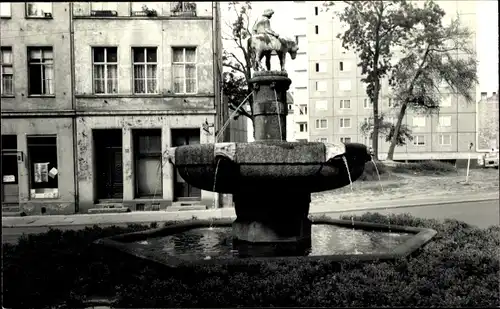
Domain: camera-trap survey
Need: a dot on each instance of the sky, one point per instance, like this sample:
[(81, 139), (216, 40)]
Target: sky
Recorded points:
[(486, 35)]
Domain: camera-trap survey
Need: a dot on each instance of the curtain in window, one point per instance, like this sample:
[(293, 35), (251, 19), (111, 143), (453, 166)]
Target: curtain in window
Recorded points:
[(48, 79), (112, 79), (190, 78), (152, 73), (139, 79), (178, 70), (99, 78)]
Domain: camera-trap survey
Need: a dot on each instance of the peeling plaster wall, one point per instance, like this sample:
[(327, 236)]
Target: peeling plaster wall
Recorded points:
[(62, 127), (21, 33), (86, 177)]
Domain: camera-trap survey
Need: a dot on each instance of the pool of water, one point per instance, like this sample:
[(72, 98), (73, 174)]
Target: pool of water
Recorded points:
[(217, 243)]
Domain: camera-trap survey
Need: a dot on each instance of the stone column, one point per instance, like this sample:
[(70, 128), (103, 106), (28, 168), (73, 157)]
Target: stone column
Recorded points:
[(269, 105)]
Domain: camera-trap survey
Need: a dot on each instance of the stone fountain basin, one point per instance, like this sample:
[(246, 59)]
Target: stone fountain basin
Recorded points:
[(130, 244), (311, 167)]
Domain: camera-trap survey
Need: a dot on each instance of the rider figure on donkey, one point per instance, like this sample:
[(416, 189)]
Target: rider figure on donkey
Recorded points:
[(263, 25)]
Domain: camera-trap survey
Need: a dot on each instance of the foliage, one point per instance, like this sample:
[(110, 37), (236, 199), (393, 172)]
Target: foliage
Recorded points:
[(370, 172), (433, 167), (237, 60), (458, 268), (387, 128), (429, 61), (374, 28)]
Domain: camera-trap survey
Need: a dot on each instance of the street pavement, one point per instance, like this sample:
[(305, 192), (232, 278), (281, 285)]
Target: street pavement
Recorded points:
[(480, 213)]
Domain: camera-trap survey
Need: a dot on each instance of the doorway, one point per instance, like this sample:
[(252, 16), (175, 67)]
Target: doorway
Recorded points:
[(148, 163), (182, 190), (10, 175), (108, 164)]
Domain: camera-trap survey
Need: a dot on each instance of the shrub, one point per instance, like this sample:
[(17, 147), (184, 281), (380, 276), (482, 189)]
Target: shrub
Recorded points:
[(370, 172), (459, 268), (427, 167)]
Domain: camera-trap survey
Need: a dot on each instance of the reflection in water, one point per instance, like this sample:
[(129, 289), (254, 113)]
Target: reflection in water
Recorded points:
[(208, 243)]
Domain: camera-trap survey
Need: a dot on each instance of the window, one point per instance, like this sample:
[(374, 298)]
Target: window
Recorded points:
[(445, 140), (320, 67), (183, 8), (6, 71), (302, 126), (184, 68), (316, 29), (42, 158), (345, 140), (290, 108), (391, 120), (367, 104), (5, 10), (145, 8), (368, 120), (345, 85), (321, 123), (419, 140), (322, 139), (389, 103), (446, 102), (345, 104), (104, 8), (105, 69), (368, 140), (445, 121), (321, 86), (321, 105), (39, 9), (418, 121), (344, 66), (345, 122), (145, 69), (40, 71), (316, 10), (147, 153), (323, 49), (302, 43), (302, 109)]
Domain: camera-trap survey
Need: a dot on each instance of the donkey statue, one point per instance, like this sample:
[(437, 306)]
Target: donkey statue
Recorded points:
[(262, 45)]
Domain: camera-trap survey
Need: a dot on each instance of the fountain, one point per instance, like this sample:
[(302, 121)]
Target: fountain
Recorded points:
[(271, 181)]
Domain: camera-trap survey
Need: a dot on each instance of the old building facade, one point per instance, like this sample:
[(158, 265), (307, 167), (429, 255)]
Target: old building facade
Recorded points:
[(129, 80)]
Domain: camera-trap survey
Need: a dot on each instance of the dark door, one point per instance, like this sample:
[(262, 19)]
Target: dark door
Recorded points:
[(182, 190), (10, 184), (108, 159)]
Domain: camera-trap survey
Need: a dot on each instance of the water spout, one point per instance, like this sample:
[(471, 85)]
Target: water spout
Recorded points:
[(348, 171), (378, 174)]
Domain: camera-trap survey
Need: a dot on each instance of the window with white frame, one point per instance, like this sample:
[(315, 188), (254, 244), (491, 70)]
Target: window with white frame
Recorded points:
[(5, 10), (391, 120), (368, 120), (145, 62), (321, 86), (345, 140), (290, 108), (345, 122), (302, 43), (419, 140), (104, 8), (321, 123), (322, 139), (145, 8), (389, 102), (446, 101), (185, 71), (39, 9), (344, 66), (418, 121), (445, 121), (321, 105), (345, 85), (105, 69), (40, 71), (320, 67), (445, 140), (6, 71), (302, 126), (367, 104), (302, 109), (368, 140), (345, 104)]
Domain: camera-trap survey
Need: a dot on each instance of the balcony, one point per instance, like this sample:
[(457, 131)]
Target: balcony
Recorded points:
[(183, 9), (104, 13)]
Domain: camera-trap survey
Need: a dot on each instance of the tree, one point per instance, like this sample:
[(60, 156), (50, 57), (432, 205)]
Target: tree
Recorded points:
[(430, 62), (387, 129), (374, 28), (237, 59)]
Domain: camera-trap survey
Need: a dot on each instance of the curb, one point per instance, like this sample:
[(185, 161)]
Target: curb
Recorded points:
[(188, 213)]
